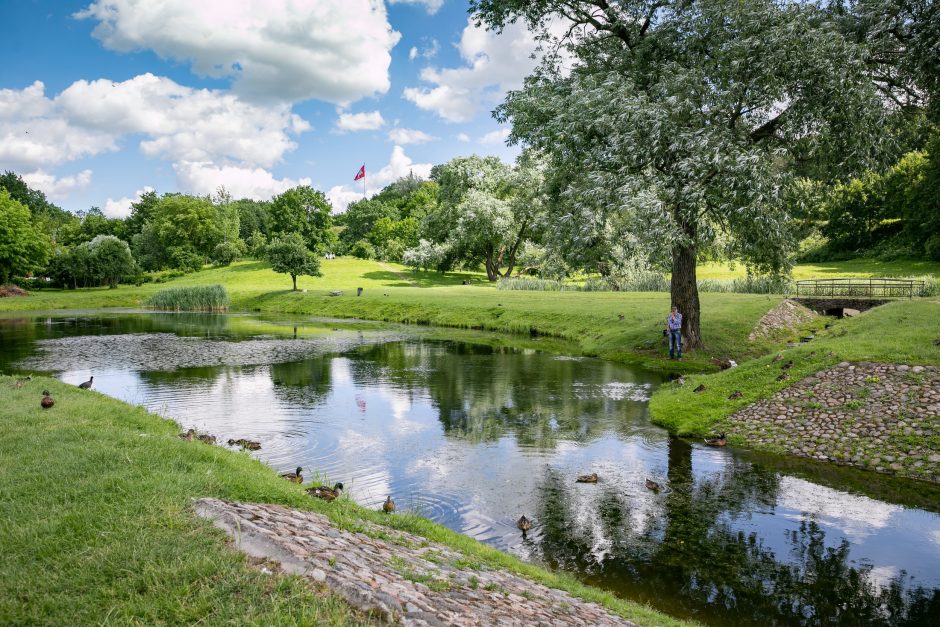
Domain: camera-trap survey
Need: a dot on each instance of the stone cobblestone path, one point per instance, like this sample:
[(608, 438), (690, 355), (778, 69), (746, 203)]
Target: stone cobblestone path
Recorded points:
[(883, 417), (395, 576)]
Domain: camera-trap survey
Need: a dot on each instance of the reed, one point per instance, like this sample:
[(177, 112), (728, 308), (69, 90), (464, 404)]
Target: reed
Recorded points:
[(195, 298)]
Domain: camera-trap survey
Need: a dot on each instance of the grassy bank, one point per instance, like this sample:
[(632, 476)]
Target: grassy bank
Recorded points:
[(95, 526), (901, 332)]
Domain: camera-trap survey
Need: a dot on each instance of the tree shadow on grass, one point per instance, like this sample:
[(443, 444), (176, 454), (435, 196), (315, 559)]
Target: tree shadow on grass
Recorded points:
[(423, 279), (250, 267)]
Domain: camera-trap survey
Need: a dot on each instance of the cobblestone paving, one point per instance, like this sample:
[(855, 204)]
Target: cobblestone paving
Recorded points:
[(396, 576), (883, 417)]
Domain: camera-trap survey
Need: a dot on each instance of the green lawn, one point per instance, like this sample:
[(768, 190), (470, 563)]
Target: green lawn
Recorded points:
[(95, 525), (832, 269), (900, 332)]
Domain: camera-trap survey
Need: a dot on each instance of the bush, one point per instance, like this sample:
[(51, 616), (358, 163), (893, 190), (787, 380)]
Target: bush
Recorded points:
[(363, 249), (426, 255), (533, 285), (199, 298), (257, 245), (226, 252), (185, 258)]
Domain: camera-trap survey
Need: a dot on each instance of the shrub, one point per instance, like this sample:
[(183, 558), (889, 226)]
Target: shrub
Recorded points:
[(225, 253), (363, 249), (185, 258), (198, 298), (532, 284)]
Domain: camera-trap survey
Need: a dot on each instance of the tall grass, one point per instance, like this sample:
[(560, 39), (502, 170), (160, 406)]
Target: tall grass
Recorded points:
[(196, 298), (649, 281)]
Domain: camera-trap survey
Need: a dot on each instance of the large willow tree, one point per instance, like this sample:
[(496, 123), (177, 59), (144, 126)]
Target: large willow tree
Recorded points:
[(687, 118)]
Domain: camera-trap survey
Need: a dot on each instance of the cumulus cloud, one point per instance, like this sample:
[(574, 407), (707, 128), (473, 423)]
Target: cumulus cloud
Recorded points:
[(493, 64), (495, 137), (121, 208), (55, 187), (367, 121), (176, 122), (240, 182), (404, 136), (286, 50), (431, 6), (463, 137), (428, 52), (399, 165)]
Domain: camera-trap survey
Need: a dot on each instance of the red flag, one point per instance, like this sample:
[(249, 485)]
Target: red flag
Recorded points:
[(361, 174)]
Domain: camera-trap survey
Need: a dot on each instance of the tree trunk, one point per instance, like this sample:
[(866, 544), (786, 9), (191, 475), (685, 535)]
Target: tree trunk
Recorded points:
[(492, 266), (294, 278), (684, 290)]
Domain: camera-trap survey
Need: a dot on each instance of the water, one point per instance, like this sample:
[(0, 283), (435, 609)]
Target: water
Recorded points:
[(472, 436)]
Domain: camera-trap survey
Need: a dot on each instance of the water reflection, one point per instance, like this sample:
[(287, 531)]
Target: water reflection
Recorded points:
[(473, 436)]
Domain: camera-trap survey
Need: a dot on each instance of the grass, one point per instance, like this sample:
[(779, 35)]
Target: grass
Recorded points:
[(95, 524), (193, 298), (901, 332), (832, 269)]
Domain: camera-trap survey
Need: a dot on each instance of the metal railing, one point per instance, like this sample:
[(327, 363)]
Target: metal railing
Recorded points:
[(859, 288)]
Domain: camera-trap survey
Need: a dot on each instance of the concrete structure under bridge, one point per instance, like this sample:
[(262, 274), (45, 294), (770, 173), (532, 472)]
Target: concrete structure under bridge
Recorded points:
[(834, 297)]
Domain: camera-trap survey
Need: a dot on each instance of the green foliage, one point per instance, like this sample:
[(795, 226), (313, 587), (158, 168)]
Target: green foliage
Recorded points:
[(225, 253), (184, 258), (23, 247), (289, 254), (426, 255), (305, 211), (254, 216), (88, 225), (363, 249), (197, 298), (47, 216), (257, 245), (111, 259)]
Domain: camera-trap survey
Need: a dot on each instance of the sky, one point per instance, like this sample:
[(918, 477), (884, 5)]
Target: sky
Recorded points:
[(102, 100)]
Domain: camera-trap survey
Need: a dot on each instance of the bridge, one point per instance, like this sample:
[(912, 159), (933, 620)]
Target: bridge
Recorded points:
[(832, 297)]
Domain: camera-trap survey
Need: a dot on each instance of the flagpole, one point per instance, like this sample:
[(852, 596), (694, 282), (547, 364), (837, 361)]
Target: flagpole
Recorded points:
[(363, 182)]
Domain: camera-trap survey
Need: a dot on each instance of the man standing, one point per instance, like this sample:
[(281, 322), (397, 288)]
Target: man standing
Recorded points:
[(674, 328)]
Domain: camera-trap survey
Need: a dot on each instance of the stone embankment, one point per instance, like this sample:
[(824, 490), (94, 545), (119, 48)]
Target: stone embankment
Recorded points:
[(396, 576), (882, 417)]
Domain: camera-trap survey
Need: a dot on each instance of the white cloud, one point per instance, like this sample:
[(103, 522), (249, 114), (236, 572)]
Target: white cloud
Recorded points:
[(404, 136), (431, 6), (429, 52), (495, 137), (286, 50), (399, 165), (367, 121), (493, 63), (241, 182), (121, 208), (54, 187), (177, 122), (463, 137)]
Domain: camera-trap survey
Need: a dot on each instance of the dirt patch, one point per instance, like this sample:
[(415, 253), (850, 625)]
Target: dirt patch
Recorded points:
[(12, 290), (786, 316)]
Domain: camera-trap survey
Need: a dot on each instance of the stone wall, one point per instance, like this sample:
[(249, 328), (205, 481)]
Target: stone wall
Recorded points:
[(883, 417)]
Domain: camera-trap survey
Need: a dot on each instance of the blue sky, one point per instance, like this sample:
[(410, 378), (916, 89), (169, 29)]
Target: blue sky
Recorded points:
[(102, 99)]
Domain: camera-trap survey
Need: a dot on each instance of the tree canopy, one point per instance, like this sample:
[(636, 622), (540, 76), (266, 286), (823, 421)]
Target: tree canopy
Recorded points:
[(23, 246), (289, 254)]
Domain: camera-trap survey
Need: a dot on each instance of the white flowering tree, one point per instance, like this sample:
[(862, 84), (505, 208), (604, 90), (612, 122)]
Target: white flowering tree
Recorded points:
[(687, 118)]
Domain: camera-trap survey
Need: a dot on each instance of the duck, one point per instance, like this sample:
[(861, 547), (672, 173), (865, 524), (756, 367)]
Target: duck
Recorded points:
[(523, 524), (787, 365), (251, 445), (206, 438), (294, 477), (389, 505), (47, 401), (718, 440), (86, 385), (591, 478), (189, 436), (700, 388), (324, 492), (21, 382), (783, 377), (652, 485), (777, 358), (735, 395)]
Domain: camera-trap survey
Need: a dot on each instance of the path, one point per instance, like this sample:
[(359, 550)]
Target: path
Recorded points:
[(398, 577)]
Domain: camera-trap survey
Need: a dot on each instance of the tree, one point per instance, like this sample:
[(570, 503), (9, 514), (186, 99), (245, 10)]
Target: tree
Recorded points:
[(23, 247), (111, 259), (686, 118), (47, 216), (191, 226), (288, 254), (305, 211)]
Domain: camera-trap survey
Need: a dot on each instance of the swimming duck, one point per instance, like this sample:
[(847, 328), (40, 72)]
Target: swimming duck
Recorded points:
[(251, 445), (700, 388), (389, 505), (524, 524), (325, 493), (719, 440), (86, 385), (652, 485), (735, 395), (591, 478), (783, 377), (47, 400), (294, 477)]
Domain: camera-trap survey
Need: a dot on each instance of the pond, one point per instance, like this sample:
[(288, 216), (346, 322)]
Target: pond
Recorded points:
[(475, 434)]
